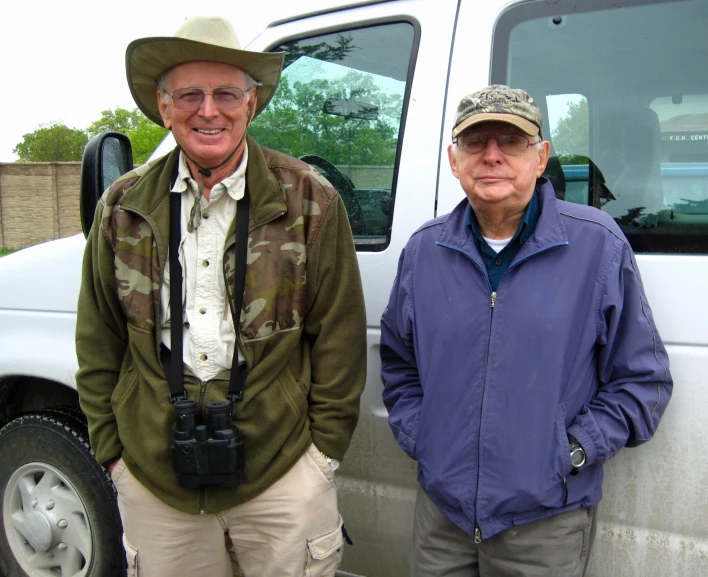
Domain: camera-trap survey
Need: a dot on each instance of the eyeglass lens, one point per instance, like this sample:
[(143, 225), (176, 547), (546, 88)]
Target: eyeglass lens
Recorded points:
[(507, 143), (192, 98)]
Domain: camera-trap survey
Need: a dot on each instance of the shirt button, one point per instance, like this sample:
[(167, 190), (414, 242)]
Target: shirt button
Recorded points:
[(203, 357), (205, 263), (497, 262), (202, 310), (205, 215)]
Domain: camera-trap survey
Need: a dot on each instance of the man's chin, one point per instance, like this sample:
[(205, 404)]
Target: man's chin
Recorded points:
[(495, 191), (207, 156)]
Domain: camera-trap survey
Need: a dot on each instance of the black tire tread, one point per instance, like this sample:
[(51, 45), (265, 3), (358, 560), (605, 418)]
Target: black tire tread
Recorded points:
[(71, 424)]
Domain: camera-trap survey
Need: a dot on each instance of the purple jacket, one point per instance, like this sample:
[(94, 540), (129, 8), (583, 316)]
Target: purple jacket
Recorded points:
[(484, 388)]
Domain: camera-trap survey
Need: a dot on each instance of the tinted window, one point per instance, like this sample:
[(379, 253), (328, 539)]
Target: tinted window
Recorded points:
[(642, 121), (339, 107)]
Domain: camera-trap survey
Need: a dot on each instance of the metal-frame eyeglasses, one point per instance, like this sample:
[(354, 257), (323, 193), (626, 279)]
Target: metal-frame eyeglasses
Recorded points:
[(509, 143), (225, 98)]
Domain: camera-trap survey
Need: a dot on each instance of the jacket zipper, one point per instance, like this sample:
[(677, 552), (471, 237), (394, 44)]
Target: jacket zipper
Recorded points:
[(492, 302), (156, 320), (477, 530)]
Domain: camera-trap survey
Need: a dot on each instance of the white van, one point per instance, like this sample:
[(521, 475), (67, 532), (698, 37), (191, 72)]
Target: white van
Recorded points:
[(368, 96)]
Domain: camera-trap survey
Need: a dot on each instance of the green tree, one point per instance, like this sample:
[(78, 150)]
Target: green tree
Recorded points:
[(51, 142), (295, 121), (118, 120), (571, 136), (144, 134)]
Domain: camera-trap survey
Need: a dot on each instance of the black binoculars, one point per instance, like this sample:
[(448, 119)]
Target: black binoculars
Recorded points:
[(210, 454)]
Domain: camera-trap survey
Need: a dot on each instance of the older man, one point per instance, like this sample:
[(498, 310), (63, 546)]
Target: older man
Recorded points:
[(221, 377), (518, 353)]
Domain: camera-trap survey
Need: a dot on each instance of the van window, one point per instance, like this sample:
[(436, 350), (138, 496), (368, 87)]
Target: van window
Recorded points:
[(340, 108), (644, 112), (568, 127), (683, 121)]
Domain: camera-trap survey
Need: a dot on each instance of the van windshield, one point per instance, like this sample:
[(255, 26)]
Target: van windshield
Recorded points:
[(624, 92)]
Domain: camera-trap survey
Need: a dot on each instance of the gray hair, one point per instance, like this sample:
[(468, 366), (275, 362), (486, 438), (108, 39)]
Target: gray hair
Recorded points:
[(162, 83)]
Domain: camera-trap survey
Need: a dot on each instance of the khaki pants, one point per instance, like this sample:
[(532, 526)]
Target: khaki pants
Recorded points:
[(291, 529), (553, 547)]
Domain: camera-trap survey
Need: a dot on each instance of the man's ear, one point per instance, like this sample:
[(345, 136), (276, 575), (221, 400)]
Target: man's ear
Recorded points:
[(544, 153), (452, 157), (164, 111), (252, 103)]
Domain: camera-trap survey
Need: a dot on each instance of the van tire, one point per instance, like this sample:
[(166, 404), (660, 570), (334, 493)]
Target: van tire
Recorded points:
[(77, 494)]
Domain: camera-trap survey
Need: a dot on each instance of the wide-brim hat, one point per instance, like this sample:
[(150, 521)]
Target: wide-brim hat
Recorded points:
[(210, 38)]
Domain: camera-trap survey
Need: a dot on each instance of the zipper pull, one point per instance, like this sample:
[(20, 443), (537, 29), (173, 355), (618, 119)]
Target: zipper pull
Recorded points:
[(477, 536), (494, 298)]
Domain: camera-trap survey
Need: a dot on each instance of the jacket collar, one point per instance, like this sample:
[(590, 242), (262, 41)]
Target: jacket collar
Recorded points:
[(149, 196), (549, 232)]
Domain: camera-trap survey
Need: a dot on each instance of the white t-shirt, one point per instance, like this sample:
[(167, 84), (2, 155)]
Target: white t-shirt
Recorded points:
[(497, 245)]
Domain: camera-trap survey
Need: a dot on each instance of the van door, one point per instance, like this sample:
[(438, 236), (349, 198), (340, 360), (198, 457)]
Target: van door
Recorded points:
[(624, 94), (361, 99)]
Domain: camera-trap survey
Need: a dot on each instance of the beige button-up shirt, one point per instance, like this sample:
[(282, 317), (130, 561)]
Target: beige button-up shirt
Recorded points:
[(209, 337)]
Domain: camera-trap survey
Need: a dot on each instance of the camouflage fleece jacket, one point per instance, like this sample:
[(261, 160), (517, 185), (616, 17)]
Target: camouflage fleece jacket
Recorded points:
[(302, 330)]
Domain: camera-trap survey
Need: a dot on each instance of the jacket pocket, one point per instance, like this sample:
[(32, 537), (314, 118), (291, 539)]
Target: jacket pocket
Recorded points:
[(553, 485), (564, 464), (293, 392), (324, 553), (125, 385)]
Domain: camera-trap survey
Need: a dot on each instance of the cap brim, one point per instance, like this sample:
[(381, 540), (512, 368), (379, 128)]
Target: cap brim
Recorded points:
[(526, 125), (146, 59)]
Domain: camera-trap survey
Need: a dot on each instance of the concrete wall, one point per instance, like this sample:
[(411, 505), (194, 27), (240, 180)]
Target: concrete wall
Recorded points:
[(39, 201)]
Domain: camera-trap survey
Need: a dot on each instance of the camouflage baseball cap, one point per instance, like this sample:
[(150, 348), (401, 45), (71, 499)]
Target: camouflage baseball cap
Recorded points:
[(501, 104)]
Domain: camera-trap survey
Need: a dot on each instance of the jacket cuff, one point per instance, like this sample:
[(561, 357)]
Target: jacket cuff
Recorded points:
[(107, 448)]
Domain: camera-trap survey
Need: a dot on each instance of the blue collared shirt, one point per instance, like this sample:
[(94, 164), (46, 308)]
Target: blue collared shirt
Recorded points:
[(498, 263)]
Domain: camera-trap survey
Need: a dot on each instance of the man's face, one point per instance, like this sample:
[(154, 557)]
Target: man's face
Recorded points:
[(491, 177), (209, 134)]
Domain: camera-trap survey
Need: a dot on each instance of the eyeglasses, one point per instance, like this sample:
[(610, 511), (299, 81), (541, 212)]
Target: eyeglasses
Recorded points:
[(190, 99), (476, 142)]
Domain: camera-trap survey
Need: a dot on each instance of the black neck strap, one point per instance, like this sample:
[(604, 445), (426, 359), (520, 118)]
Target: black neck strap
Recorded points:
[(175, 373)]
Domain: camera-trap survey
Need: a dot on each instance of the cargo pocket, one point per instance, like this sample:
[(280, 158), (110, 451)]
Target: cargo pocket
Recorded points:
[(324, 553), (131, 558)]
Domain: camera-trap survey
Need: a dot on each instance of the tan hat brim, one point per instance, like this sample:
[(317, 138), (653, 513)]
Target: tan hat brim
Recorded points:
[(527, 126), (146, 59)]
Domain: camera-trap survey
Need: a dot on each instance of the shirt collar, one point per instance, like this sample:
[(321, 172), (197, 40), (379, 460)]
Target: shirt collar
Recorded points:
[(526, 226), (234, 184)]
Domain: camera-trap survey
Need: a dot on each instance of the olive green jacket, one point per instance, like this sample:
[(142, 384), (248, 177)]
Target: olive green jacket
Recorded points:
[(302, 328)]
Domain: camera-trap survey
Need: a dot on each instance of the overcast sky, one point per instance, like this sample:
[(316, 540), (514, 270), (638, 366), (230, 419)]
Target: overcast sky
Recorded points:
[(65, 61)]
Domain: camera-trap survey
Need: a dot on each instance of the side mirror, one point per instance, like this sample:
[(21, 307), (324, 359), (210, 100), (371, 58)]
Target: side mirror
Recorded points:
[(106, 157), (348, 108)]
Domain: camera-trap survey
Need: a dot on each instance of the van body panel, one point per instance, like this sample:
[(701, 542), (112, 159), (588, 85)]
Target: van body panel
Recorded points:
[(408, 63)]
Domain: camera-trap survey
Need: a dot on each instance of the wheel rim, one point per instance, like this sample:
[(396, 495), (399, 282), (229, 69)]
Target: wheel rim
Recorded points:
[(46, 523)]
